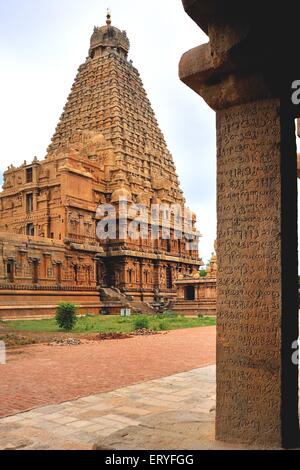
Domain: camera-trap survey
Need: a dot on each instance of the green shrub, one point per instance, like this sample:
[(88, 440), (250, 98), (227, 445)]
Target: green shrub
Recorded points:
[(166, 314), (159, 316), (66, 316), (162, 326), (124, 320), (170, 314), (141, 323)]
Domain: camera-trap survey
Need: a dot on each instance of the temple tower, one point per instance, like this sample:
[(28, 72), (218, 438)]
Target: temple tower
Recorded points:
[(107, 150)]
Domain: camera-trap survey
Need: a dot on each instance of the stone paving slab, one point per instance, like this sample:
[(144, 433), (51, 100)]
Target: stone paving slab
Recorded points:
[(121, 419)]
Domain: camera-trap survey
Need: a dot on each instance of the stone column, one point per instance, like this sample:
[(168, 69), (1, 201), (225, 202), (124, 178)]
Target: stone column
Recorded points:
[(142, 265), (35, 206), (257, 312), (255, 162)]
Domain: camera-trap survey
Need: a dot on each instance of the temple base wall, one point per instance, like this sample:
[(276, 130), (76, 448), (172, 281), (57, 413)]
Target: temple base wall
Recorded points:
[(35, 304), (204, 307)]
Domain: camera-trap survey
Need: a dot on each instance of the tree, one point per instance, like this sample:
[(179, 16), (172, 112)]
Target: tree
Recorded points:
[(66, 316)]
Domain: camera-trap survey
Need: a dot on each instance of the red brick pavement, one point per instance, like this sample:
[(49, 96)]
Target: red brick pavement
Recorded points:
[(43, 375)]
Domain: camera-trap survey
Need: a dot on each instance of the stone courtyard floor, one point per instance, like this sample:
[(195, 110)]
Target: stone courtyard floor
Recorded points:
[(108, 418), (143, 393), (171, 413), (40, 375)]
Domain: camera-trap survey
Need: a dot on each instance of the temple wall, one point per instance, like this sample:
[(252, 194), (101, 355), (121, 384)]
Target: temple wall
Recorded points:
[(205, 302), (27, 304), (35, 275)]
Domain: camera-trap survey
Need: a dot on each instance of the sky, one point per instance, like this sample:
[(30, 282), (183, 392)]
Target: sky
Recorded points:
[(42, 44)]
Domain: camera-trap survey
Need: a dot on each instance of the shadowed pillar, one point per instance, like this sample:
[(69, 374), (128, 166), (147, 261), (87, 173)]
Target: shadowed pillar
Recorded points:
[(245, 73)]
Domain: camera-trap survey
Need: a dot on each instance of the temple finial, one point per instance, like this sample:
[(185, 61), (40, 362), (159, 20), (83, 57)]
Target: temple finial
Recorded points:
[(108, 17)]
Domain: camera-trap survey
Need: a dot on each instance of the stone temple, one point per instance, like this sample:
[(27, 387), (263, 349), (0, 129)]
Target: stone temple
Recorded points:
[(107, 148)]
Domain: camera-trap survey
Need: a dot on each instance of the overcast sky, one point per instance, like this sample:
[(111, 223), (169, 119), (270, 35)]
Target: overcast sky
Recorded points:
[(42, 43)]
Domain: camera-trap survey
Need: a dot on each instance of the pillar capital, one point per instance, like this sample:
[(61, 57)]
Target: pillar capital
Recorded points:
[(241, 61), (219, 84)]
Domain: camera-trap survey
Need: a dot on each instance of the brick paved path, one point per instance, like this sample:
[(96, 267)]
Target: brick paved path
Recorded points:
[(40, 375)]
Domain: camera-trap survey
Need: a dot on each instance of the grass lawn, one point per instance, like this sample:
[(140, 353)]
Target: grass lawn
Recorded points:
[(113, 324)]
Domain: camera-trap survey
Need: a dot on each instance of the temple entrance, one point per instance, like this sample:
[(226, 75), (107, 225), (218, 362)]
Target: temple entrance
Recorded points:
[(189, 293), (111, 278)]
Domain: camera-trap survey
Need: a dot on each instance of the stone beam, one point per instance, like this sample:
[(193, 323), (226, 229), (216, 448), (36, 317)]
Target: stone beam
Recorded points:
[(245, 73)]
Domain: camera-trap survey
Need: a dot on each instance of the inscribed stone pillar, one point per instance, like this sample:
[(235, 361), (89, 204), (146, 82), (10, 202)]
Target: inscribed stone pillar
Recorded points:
[(254, 153), (257, 321)]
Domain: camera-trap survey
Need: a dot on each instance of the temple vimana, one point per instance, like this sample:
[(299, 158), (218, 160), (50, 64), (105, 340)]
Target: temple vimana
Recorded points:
[(107, 148)]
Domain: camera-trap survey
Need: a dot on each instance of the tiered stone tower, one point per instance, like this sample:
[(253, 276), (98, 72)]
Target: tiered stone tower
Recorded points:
[(107, 148)]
